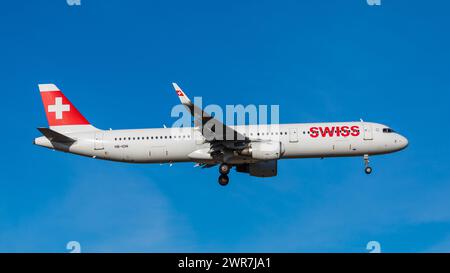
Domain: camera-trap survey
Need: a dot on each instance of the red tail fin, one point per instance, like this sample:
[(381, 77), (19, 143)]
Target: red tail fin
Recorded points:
[(59, 110)]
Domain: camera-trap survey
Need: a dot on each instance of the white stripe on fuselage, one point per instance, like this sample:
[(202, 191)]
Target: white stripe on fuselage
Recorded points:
[(175, 144)]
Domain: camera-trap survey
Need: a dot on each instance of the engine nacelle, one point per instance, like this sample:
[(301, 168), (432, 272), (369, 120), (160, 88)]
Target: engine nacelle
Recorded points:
[(264, 150), (259, 169)]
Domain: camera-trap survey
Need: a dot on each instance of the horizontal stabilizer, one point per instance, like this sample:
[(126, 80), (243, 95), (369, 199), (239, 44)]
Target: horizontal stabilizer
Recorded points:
[(54, 136)]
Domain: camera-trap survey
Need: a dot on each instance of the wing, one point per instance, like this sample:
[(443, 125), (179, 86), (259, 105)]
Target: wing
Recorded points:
[(213, 130)]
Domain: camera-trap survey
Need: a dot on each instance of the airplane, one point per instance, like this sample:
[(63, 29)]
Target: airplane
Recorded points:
[(252, 149)]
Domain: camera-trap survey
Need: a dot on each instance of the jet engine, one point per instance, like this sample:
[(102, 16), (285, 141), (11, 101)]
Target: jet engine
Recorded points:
[(264, 150)]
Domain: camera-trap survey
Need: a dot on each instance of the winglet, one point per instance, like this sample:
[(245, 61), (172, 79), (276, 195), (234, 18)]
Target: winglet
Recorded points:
[(181, 95)]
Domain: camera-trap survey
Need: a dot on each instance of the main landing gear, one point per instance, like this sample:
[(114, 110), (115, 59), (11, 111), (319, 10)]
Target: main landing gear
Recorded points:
[(224, 170), (223, 179), (368, 169)]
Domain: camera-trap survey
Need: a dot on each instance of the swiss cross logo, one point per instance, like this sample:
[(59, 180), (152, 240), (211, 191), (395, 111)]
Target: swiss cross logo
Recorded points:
[(180, 93), (58, 108)]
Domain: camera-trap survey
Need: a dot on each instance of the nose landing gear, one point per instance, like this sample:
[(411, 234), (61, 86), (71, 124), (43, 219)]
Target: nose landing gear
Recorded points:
[(368, 169), (224, 170)]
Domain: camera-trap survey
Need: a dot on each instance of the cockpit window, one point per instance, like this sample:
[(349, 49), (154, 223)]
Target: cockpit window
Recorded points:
[(388, 130)]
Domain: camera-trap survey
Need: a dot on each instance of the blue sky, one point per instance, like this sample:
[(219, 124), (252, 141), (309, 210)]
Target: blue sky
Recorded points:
[(319, 60)]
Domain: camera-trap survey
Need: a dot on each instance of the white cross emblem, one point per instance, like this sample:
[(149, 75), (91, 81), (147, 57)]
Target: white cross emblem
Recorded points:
[(58, 108)]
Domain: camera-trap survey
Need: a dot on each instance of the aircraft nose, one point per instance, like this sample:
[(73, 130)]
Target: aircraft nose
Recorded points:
[(403, 142)]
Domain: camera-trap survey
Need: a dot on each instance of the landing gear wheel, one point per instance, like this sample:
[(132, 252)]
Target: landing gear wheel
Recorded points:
[(368, 169), (224, 169), (223, 180)]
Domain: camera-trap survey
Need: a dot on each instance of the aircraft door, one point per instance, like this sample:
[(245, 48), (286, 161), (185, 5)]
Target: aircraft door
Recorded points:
[(367, 130), (98, 141), (293, 135)]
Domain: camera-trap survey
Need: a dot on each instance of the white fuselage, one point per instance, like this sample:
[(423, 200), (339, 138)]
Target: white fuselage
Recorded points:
[(301, 140)]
